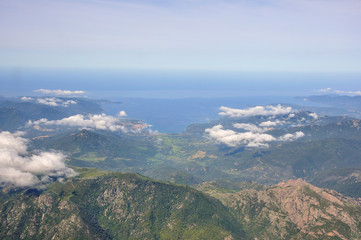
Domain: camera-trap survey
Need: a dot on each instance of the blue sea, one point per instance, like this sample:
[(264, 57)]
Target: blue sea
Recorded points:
[(171, 100), (174, 84)]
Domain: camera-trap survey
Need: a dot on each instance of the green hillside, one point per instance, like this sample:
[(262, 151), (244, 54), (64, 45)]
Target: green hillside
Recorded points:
[(115, 206)]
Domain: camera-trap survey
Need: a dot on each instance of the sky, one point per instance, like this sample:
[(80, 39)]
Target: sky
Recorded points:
[(222, 35)]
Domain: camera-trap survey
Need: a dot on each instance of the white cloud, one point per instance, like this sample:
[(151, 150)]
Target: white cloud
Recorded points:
[(26, 98), (291, 137), (122, 114), (232, 138), (59, 92), (254, 111), (314, 115), (19, 168), (325, 90), (68, 102), (47, 101), (271, 124), (55, 102), (354, 93), (101, 121), (249, 127), (292, 115), (248, 139)]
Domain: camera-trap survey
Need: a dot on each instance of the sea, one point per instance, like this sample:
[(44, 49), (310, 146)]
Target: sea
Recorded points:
[(171, 100)]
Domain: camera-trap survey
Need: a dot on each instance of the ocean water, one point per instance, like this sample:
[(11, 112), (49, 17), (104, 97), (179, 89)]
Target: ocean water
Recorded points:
[(171, 100), (174, 84)]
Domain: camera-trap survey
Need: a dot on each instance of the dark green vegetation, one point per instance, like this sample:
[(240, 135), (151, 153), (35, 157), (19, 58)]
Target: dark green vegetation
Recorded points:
[(100, 205)]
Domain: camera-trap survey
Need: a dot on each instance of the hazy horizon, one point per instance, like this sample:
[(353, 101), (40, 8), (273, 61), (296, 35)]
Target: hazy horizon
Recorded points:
[(177, 84)]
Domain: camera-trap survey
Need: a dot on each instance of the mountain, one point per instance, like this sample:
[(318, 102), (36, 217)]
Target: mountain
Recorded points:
[(104, 205), (292, 210), (108, 205)]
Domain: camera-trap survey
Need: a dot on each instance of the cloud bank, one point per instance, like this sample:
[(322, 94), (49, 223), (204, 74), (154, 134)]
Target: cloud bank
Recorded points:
[(101, 121), (59, 92), (254, 111), (19, 168)]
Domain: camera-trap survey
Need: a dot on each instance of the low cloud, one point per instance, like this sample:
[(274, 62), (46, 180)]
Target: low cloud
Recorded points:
[(26, 98), (47, 101), (55, 102), (19, 168), (101, 121), (341, 92), (59, 92), (314, 115), (291, 137), (291, 115), (249, 127), (353, 93), (325, 90), (271, 124), (254, 138), (122, 114), (254, 111), (232, 138)]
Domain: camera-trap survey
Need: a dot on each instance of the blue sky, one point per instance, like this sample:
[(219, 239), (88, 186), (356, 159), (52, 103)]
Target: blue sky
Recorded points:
[(225, 35)]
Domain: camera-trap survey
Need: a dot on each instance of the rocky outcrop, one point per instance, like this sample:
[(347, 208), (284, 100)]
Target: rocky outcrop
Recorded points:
[(296, 210)]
